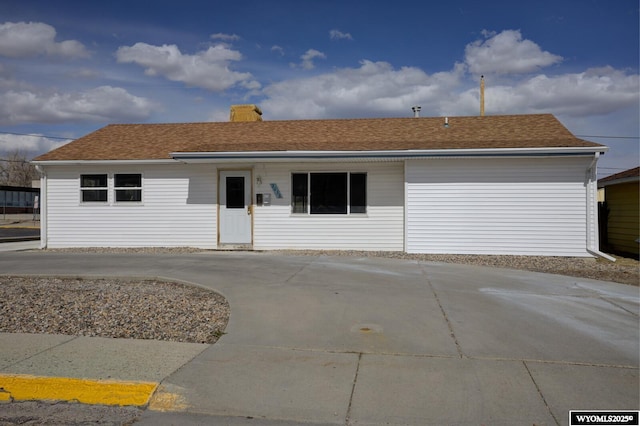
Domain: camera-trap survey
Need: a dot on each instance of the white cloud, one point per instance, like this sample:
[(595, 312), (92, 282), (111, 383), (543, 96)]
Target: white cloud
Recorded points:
[(339, 35), (308, 57), (597, 91), (103, 103), (506, 53), (375, 88), (278, 49), (29, 144), (225, 37), (208, 69), (21, 40), (378, 88)]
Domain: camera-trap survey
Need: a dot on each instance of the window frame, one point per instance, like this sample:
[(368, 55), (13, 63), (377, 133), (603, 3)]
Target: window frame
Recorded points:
[(307, 200), (364, 194), (104, 189), (296, 197), (117, 189)]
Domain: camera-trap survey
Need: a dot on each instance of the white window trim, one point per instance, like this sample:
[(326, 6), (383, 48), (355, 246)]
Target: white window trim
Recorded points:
[(101, 188), (116, 188), (111, 190)]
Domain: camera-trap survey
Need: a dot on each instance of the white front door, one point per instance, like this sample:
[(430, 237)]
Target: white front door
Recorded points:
[(235, 207)]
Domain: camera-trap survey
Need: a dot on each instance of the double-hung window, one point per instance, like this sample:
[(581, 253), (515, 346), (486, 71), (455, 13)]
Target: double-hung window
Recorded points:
[(128, 187), (93, 188), (329, 193)]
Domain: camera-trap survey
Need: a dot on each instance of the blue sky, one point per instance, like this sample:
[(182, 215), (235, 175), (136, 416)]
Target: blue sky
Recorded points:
[(70, 67)]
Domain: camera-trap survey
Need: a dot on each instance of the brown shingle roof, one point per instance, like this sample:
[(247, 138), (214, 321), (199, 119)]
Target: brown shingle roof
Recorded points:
[(157, 141), (627, 174)]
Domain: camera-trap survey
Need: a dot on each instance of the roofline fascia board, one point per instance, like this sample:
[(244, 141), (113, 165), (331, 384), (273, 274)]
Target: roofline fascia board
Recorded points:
[(102, 162), (396, 154), (630, 179)]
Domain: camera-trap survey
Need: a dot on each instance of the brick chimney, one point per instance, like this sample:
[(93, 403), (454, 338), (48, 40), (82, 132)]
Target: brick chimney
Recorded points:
[(248, 112)]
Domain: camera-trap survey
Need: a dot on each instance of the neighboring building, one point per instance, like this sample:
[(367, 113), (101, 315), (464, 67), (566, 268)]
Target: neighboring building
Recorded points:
[(621, 206), (518, 184), (18, 199)]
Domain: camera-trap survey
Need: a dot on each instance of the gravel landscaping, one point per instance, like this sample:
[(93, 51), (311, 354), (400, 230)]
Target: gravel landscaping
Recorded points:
[(624, 270), (152, 309)]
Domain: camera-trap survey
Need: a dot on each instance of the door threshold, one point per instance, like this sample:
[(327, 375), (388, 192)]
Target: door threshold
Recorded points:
[(239, 247)]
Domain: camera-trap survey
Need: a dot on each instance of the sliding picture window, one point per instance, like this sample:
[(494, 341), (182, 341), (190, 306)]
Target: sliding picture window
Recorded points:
[(329, 193)]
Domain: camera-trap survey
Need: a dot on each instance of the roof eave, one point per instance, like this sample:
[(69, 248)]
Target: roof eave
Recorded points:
[(630, 179), (266, 156), (101, 162)]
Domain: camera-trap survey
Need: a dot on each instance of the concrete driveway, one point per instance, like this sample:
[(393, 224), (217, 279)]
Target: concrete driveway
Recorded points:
[(332, 340)]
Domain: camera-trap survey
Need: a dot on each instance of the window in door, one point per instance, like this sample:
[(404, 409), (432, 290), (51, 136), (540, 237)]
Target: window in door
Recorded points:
[(235, 192)]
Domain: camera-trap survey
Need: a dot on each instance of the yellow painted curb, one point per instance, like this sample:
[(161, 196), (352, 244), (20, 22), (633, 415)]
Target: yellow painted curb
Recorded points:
[(168, 398), (104, 392)]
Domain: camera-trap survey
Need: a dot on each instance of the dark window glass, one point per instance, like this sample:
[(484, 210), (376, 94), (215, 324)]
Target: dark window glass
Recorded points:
[(93, 188), (132, 195), (300, 193), (90, 195), (128, 181), (358, 193), (328, 193), (235, 192), (93, 181), (124, 186)]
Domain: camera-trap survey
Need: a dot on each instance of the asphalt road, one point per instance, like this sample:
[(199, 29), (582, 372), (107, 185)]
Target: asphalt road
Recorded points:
[(19, 234)]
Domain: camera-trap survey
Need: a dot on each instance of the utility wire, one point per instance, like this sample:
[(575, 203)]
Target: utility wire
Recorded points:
[(34, 135)]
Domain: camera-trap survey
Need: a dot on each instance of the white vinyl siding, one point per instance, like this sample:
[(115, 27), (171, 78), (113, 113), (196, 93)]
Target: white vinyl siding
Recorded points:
[(178, 208), (533, 206), (380, 228), (518, 206)]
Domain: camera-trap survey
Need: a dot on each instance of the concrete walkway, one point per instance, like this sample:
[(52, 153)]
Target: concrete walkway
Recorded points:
[(329, 340)]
